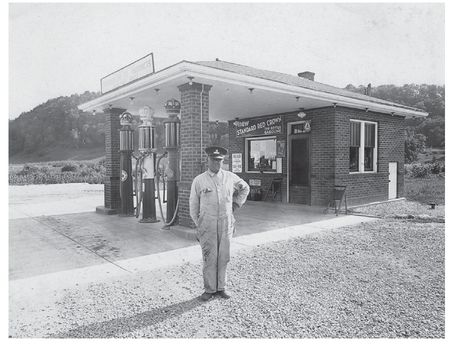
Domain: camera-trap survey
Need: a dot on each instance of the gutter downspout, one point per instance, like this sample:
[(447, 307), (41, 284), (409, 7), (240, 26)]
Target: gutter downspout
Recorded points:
[(200, 150)]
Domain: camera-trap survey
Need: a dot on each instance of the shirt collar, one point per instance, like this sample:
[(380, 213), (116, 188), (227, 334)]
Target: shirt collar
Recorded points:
[(212, 174)]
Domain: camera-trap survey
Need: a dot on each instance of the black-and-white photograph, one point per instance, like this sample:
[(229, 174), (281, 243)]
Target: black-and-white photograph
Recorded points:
[(226, 170)]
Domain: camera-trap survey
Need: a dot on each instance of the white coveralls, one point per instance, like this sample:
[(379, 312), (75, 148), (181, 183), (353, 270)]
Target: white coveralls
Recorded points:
[(211, 199)]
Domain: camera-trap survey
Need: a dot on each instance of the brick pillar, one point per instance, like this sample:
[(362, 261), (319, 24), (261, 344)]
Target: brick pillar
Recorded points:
[(192, 143), (112, 200)]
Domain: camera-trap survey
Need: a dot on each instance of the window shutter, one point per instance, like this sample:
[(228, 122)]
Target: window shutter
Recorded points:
[(355, 132), (369, 139)]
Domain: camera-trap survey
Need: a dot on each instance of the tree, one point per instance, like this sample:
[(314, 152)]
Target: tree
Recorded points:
[(414, 144)]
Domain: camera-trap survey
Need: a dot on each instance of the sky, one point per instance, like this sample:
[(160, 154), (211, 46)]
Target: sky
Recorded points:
[(58, 49)]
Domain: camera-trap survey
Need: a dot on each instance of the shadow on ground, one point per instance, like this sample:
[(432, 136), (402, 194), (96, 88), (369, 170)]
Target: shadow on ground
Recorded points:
[(112, 328)]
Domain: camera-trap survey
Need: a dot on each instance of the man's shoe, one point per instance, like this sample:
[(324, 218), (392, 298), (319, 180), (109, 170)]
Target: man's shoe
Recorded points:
[(223, 294), (206, 296)]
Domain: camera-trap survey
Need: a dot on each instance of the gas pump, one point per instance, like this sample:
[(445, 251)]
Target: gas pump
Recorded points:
[(172, 141), (125, 164), (144, 168)]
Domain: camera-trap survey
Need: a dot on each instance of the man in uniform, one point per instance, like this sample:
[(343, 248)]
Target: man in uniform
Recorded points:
[(215, 195)]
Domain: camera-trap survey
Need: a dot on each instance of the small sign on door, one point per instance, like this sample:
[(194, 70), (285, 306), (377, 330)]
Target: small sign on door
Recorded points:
[(255, 182)]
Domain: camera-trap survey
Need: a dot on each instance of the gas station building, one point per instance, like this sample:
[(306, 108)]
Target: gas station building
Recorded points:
[(290, 136)]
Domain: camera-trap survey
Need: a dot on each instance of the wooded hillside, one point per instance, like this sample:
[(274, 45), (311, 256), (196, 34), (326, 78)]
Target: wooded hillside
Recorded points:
[(430, 98)]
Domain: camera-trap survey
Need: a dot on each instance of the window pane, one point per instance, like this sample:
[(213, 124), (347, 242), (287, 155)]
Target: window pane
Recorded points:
[(355, 138), (354, 158), (262, 155), (369, 139), (368, 159)]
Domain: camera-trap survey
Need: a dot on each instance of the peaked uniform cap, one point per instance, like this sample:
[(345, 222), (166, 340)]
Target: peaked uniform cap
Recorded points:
[(216, 152)]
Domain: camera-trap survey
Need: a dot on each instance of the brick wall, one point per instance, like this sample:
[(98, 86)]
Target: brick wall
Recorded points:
[(112, 198), (329, 160), (323, 139), (369, 187), (192, 146)]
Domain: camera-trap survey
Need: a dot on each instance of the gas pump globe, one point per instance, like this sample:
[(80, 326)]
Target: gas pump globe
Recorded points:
[(125, 164)]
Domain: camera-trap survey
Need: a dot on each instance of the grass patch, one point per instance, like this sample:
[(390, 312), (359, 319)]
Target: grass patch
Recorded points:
[(426, 190), (57, 172)]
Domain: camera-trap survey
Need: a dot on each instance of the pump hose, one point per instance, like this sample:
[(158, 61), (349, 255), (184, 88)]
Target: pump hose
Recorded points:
[(139, 183), (158, 196)]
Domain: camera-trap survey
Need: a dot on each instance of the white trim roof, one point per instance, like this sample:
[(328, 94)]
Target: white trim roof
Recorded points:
[(294, 81), (211, 71)]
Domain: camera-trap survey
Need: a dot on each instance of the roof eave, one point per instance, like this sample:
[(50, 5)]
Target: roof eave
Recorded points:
[(187, 68)]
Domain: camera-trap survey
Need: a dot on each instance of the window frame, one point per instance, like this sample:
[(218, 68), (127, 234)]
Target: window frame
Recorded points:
[(361, 150), (248, 139)]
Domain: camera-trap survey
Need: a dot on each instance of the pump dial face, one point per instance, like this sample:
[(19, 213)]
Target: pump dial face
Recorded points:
[(124, 175)]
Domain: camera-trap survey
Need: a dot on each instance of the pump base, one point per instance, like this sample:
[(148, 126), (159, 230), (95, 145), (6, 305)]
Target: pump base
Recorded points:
[(106, 210), (148, 220)]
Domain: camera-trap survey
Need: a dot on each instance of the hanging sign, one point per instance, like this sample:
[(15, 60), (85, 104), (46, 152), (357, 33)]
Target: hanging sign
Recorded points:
[(258, 126), (301, 127), (236, 162), (136, 70)]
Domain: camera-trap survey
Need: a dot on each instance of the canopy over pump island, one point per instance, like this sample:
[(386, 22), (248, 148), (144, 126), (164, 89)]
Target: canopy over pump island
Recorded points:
[(292, 139)]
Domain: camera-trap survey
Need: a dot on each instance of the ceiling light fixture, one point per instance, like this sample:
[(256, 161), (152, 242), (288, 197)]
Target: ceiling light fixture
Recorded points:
[(251, 89), (190, 80), (301, 113)]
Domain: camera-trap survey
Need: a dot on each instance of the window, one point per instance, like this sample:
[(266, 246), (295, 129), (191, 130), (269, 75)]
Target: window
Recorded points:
[(355, 139), (261, 154), (363, 146), (300, 127), (369, 146)]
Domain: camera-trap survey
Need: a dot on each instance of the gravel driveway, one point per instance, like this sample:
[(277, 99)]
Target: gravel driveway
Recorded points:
[(379, 279), (403, 209)]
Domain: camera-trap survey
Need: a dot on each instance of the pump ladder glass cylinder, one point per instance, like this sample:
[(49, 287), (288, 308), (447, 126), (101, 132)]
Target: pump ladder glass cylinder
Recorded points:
[(146, 138), (125, 140), (172, 134)]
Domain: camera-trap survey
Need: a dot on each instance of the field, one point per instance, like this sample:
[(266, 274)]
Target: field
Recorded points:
[(431, 154), (426, 190), (89, 171)]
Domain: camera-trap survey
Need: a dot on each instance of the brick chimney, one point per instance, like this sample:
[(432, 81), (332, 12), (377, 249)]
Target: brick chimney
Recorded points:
[(307, 75)]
